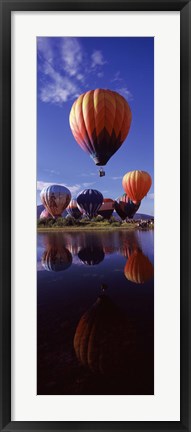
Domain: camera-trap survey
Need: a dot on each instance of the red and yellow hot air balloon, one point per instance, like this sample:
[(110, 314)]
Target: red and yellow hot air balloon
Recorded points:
[(100, 121), (136, 184)]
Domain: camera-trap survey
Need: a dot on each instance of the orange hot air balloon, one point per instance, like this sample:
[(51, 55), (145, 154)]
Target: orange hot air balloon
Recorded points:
[(136, 184), (100, 121), (138, 268)]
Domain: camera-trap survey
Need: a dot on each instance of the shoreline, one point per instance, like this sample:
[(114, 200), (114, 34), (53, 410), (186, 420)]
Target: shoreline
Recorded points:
[(92, 228)]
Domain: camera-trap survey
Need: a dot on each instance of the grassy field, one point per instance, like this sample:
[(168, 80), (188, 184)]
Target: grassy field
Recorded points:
[(95, 224), (93, 227)]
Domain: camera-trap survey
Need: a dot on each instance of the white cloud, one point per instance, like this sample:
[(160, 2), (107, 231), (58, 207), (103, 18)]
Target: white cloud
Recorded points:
[(116, 178), (117, 77), (45, 49), (125, 92), (51, 171), (88, 184), (150, 196), (97, 59), (59, 90), (88, 174), (65, 69), (56, 86), (72, 56), (73, 189)]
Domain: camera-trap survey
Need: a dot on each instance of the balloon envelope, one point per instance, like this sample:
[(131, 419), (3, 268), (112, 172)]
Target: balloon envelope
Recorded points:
[(106, 208), (136, 184), (55, 198), (125, 207), (100, 121), (45, 214), (90, 201), (73, 209)]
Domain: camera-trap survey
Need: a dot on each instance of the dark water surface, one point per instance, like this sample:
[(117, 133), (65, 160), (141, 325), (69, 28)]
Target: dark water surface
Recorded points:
[(95, 327)]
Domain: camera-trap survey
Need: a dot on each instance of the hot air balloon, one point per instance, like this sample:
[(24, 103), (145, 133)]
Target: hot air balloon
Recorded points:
[(106, 208), (91, 255), (125, 207), (90, 201), (104, 340), (138, 268), (45, 214), (73, 210), (55, 198), (100, 121), (136, 184)]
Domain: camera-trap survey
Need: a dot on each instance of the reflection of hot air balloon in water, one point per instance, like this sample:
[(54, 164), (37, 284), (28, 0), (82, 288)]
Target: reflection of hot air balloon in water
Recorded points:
[(45, 214), (100, 121), (55, 198), (138, 268), (104, 339), (136, 184), (106, 208), (91, 255), (125, 207), (56, 257), (90, 201), (73, 209)]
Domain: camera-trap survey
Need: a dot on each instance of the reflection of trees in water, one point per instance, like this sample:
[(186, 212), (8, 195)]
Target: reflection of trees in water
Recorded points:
[(104, 340), (56, 256), (128, 242)]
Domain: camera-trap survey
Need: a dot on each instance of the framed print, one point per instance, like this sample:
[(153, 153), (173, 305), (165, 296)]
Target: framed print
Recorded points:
[(95, 215)]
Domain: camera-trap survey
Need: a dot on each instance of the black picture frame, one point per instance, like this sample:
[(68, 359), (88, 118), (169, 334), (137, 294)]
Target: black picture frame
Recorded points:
[(6, 7)]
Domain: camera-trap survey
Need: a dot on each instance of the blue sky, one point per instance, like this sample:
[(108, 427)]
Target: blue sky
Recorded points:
[(68, 67)]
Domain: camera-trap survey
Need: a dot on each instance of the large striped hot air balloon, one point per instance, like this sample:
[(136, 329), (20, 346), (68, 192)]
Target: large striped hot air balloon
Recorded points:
[(45, 214), (55, 198), (90, 200), (136, 184), (125, 208), (100, 121), (73, 209), (106, 208)]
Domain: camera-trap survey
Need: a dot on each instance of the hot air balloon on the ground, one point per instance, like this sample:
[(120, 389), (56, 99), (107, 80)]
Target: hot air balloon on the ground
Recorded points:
[(106, 208), (104, 340), (100, 121), (73, 210), (90, 201), (55, 198), (138, 268), (136, 184), (45, 214), (91, 255), (125, 208)]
